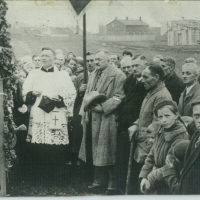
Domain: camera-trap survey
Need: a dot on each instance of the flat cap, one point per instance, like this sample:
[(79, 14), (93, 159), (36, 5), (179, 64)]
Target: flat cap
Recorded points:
[(162, 103)]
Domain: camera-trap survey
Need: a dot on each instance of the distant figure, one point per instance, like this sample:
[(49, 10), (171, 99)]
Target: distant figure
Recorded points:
[(126, 66), (26, 59), (173, 82), (190, 60), (61, 58), (70, 55), (72, 64), (37, 61), (58, 51), (157, 58), (127, 53), (57, 64), (29, 67)]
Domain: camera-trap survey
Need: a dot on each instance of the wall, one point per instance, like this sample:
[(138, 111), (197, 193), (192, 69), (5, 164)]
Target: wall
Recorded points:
[(137, 30), (121, 38), (115, 28)]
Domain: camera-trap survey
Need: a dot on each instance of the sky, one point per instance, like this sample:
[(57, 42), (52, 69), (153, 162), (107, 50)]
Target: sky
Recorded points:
[(61, 14)]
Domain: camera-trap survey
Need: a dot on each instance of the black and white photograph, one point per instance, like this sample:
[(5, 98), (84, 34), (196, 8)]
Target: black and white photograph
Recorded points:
[(99, 98)]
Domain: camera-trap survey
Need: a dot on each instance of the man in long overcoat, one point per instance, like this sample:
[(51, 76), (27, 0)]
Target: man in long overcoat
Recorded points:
[(100, 122)]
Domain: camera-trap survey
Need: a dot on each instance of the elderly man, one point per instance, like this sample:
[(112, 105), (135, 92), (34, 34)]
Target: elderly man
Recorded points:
[(126, 66), (173, 82), (81, 88), (100, 122), (152, 78), (129, 112), (190, 72)]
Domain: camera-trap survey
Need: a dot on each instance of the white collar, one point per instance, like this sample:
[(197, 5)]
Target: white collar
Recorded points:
[(189, 88), (139, 79)]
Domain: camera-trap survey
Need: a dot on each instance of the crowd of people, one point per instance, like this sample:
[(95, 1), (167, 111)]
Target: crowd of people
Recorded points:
[(124, 108)]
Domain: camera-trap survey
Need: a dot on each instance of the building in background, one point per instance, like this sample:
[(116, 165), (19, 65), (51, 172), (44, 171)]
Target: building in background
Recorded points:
[(127, 27), (183, 32)]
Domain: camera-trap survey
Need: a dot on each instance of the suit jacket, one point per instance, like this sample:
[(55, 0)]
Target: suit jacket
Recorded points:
[(104, 125), (190, 177), (175, 86), (184, 107), (131, 104)]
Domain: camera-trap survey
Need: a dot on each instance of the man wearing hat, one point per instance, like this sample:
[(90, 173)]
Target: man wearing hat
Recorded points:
[(99, 120), (190, 72)]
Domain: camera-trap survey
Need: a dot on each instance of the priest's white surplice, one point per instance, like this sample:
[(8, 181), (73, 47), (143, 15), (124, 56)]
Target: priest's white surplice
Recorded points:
[(49, 128)]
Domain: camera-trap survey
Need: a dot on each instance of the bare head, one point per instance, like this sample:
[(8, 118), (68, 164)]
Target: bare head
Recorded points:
[(126, 65), (102, 59)]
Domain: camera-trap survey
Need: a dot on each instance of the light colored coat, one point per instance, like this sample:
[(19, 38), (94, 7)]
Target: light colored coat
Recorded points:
[(104, 125), (146, 117)]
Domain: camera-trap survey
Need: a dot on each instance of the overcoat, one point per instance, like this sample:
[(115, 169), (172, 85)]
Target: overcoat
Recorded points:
[(104, 125), (146, 117), (184, 107)]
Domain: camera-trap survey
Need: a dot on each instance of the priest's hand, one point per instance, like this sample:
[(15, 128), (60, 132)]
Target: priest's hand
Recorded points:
[(36, 93), (83, 88), (132, 131), (98, 108)]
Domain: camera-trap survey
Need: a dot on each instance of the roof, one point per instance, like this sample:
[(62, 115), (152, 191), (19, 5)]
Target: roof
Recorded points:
[(131, 22)]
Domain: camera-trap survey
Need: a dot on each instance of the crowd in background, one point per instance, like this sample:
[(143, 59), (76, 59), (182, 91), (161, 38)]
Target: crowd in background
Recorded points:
[(148, 107)]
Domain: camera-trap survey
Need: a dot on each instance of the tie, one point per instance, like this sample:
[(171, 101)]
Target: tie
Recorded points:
[(99, 73), (198, 142)]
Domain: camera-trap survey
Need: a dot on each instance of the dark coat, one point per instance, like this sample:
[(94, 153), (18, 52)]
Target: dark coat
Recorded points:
[(164, 140), (190, 177), (130, 107), (77, 132), (184, 107), (189, 181), (175, 86), (104, 125)]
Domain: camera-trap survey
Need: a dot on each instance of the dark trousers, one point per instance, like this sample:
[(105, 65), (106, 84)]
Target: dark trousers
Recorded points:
[(104, 175)]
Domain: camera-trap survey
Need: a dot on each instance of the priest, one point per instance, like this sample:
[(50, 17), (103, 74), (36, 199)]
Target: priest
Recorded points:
[(50, 96)]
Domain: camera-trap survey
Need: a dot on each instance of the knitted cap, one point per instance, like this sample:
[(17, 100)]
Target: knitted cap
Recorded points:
[(180, 149), (164, 103)]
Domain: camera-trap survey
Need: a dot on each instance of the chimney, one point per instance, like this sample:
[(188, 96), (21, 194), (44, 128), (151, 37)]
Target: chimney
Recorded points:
[(126, 18), (140, 18), (115, 18)]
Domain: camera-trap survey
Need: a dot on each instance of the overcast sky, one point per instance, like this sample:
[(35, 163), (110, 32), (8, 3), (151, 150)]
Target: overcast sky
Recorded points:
[(61, 14)]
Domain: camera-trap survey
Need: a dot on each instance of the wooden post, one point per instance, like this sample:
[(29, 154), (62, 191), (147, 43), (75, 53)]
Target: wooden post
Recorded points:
[(2, 157), (84, 48)]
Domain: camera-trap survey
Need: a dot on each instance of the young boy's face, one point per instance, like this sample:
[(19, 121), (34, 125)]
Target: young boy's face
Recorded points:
[(151, 131)]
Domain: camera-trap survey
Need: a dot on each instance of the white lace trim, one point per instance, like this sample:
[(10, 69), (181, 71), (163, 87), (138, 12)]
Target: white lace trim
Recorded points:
[(41, 134), (68, 99)]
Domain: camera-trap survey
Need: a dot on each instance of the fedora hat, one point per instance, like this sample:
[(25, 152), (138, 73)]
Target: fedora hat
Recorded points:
[(93, 98)]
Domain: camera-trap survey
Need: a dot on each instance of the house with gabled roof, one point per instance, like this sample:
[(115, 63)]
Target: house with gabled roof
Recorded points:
[(127, 27)]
